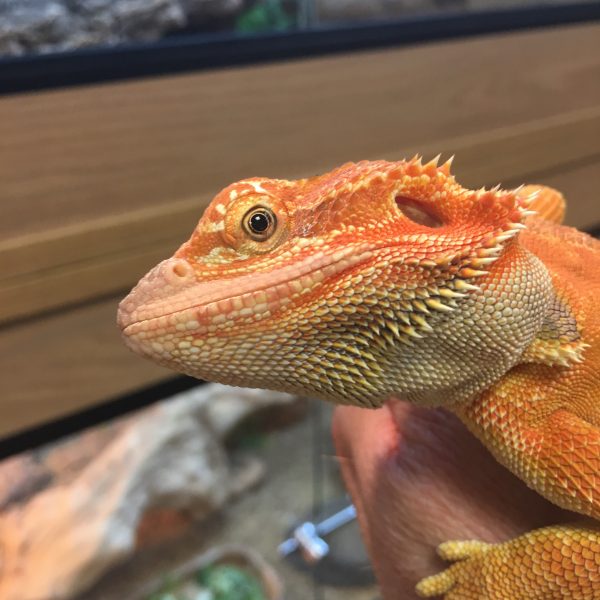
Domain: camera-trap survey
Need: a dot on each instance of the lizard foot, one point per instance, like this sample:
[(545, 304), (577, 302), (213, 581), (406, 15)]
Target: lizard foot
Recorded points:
[(552, 563)]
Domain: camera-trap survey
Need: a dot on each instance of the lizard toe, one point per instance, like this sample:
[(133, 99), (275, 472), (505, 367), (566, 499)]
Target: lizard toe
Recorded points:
[(461, 550), (436, 585)]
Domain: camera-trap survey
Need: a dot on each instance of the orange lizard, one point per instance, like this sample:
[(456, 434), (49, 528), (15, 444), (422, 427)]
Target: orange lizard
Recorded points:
[(384, 279)]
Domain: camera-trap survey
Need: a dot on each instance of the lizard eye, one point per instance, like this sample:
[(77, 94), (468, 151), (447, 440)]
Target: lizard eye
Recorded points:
[(259, 223)]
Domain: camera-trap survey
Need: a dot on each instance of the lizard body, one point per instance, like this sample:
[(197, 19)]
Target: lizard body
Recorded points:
[(382, 279)]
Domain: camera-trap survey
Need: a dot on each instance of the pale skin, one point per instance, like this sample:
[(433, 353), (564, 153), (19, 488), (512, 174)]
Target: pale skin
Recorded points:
[(381, 280), (419, 478)]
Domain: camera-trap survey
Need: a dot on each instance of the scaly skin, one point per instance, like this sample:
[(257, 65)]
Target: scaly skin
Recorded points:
[(389, 279)]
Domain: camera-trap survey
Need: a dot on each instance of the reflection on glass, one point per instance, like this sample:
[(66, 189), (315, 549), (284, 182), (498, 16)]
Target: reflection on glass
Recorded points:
[(40, 26)]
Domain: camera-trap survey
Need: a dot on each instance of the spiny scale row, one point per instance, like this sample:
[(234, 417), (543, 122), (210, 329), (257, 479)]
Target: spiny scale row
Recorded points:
[(416, 167)]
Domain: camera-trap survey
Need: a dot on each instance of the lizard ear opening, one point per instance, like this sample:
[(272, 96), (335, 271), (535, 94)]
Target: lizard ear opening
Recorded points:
[(417, 213)]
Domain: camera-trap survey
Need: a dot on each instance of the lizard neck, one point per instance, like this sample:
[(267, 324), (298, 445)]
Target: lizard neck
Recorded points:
[(476, 345)]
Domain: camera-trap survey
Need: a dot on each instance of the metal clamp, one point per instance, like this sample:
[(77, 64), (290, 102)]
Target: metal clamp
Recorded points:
[(308, 537)]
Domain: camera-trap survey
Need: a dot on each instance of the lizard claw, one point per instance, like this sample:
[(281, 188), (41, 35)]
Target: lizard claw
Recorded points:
[(461, 550), (456, 581), (436, 585)]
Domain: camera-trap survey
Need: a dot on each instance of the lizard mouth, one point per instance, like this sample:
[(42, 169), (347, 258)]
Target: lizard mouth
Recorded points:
[(212, 306)]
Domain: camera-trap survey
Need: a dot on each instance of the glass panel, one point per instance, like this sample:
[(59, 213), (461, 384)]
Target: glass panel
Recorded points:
[(41, 26), (336, 11)]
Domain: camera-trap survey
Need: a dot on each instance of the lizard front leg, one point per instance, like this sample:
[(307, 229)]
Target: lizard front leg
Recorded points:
[(544, 434), (557, 453)]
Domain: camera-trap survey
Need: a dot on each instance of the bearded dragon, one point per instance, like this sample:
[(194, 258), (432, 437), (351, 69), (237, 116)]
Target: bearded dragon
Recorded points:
[(384, 279)]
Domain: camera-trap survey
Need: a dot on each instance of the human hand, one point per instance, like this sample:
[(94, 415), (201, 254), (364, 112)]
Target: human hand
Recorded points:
[(419, 478)]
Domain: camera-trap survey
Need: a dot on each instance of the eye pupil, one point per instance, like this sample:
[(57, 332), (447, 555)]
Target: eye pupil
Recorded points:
[(260, 222)]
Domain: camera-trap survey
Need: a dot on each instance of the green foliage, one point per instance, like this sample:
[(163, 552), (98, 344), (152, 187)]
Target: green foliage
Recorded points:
[(265, 15), (166, 596), (227, 582), (167, 591), (218, 582), (247, 437)]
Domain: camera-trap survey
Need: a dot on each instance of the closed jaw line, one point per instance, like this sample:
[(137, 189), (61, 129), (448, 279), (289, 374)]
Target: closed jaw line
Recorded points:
[(268, 292)]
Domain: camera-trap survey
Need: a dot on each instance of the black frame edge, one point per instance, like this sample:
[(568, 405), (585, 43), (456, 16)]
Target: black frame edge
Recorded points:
[(53, 431)]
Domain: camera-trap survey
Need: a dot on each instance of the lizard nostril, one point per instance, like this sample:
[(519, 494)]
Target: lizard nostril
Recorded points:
[(177, 271), (180, 269)]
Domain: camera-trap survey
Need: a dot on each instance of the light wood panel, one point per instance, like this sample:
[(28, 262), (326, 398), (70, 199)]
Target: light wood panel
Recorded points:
[(75, 359), (64, 363), (52, 269), (73, 155), (581, 187), (99, 183), (509, 152)]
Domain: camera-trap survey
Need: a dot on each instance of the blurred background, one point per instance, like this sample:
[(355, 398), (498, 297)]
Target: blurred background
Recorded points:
[(119, 121), (50, 25)]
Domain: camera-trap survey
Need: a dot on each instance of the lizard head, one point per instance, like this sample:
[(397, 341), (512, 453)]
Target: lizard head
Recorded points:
[(374, 279)]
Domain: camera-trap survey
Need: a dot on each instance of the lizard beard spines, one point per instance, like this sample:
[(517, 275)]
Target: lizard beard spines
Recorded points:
[(559, 341), (508, 210), (419, 292)]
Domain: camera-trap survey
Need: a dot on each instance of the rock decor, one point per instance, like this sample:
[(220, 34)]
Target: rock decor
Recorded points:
[(70, 512), (51, 25)]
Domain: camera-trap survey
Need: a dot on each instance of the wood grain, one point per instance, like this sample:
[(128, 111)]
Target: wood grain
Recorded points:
[(75, 359), (98, 183), (53, 269), (581, 187), (78, 154), (65, 362)]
